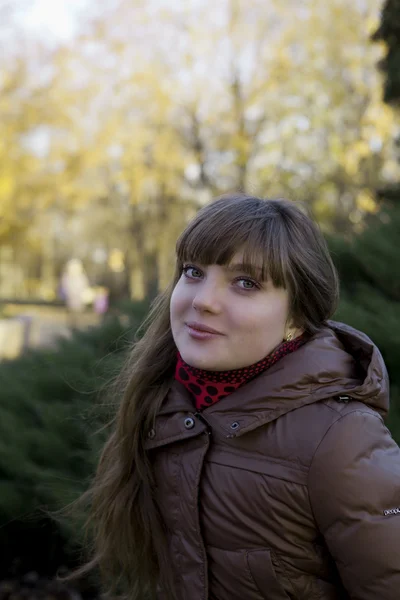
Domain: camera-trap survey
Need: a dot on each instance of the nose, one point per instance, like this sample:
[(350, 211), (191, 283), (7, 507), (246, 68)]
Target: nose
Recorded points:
[(207, 298)]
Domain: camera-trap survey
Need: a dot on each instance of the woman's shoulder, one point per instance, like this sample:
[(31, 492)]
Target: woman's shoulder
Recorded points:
[(349, 431), (332, 423)]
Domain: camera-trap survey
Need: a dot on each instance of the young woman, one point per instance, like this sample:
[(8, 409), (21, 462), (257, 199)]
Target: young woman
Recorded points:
[(249, 459)]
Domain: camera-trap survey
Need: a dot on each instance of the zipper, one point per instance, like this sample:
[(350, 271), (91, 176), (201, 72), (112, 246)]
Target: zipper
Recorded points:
[(201, 418)]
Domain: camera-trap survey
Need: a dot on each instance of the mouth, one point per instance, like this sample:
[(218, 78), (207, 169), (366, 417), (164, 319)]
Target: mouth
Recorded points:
[(198, 327)]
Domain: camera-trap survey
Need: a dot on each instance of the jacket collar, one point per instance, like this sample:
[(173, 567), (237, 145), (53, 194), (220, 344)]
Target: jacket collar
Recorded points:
[(337, 360)]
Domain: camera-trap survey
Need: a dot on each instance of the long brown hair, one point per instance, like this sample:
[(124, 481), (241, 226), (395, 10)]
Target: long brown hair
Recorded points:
[(129, 541)]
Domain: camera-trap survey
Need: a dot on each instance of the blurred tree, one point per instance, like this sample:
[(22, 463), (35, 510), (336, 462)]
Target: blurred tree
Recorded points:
[(158, 115), (261, 101), (389, 32), (18, 167), (368, 265)]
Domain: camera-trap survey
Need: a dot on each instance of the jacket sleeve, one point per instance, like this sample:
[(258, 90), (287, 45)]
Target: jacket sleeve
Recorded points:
[(354, 480)]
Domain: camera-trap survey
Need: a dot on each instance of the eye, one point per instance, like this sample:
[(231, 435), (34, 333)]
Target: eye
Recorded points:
[(191, 272), (248, 284)]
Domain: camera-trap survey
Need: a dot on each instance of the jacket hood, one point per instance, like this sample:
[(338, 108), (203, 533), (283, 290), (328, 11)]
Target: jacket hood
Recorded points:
[(337, 360), (367, 364)]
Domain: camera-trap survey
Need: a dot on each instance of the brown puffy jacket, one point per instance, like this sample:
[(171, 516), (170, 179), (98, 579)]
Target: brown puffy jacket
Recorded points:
[(290, 487)]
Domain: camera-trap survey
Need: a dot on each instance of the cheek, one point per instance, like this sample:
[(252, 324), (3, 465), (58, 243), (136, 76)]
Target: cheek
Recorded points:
[(178, 302), (270, 315), (173, 306)]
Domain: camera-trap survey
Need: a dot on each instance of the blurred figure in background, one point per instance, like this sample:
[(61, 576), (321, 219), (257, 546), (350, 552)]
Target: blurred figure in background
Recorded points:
[(101, 300), (74, 289)]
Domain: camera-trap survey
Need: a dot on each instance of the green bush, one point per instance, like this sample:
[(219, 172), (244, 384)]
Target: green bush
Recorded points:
[(48, 442), (369, 268)]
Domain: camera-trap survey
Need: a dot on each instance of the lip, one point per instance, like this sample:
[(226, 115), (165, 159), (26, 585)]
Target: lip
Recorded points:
[(201, 329)]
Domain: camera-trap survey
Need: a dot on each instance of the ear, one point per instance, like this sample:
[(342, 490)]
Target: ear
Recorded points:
[(292, 332), (289, 330)]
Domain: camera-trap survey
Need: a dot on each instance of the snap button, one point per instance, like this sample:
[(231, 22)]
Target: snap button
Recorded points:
[(235, 425), (152, 434), (343, 399), (189, 423)]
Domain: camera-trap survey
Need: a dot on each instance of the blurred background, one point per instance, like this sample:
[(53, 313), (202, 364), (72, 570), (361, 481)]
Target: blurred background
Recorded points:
[(118, 120)]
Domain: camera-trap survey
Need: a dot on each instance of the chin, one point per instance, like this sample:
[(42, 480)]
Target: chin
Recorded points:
[(198, 362), (206, 365)]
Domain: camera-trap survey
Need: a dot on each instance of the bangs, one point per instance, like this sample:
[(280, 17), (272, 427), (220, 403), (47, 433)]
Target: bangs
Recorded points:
[(215, 237)]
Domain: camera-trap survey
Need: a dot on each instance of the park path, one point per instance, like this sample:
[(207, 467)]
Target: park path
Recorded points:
[(37, 327)]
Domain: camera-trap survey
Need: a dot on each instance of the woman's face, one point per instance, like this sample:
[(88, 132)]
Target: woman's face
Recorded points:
[(249, 317)]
